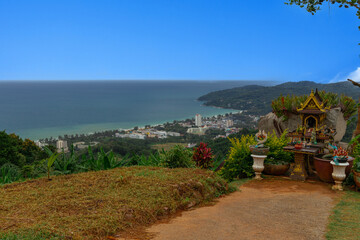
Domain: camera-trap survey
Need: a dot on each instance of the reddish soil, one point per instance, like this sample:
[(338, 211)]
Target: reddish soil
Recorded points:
[(274, 208)]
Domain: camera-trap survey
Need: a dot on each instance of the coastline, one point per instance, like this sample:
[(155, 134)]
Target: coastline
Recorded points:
[(54, 132)]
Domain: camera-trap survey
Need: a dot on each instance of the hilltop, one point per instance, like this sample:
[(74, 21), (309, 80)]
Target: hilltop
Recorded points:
[(257, 99), (93, 205)]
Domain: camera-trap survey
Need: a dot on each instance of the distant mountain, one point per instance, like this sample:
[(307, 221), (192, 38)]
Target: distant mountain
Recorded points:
[(257, 99)]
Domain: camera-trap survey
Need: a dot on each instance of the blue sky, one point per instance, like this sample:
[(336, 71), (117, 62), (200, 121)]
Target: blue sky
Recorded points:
[(182, 39)]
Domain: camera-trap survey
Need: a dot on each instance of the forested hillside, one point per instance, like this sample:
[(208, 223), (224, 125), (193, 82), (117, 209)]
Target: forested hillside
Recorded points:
[(257, 99)]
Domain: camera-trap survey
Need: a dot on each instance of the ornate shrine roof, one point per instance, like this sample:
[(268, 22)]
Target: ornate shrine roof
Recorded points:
[(313, 104)]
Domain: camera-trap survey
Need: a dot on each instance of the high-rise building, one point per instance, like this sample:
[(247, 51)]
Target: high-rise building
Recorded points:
[(229, 123), (198, 121), (62, 145)]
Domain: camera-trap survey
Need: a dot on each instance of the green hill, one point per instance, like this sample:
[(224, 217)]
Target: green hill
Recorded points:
[(257, 99)]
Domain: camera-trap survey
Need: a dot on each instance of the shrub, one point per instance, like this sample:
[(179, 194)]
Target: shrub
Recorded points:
[(203, 156), (356, 153), (239, 163), (9, 173), (177, 157), (276, 153), (289, 104)]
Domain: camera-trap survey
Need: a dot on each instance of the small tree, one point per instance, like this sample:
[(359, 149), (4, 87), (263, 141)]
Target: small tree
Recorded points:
[(203, 156)]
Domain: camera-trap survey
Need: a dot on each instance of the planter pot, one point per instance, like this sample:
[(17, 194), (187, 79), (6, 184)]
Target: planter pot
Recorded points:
[(356, 179), (259, 150), (276, 169), (298, 146), (338, 174), (258, 165), (324, 168)]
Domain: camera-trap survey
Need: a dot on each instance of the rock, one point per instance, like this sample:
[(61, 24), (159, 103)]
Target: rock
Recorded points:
[(270, 123), (334, 119)]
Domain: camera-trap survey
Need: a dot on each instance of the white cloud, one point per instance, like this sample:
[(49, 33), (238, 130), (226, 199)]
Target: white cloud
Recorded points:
[(340, 77), (355, 75)]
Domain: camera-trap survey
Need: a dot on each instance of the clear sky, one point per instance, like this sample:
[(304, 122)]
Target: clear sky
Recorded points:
[(176, 39)]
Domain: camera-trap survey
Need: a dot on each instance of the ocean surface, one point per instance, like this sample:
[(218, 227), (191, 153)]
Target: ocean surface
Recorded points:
[(43, 109)]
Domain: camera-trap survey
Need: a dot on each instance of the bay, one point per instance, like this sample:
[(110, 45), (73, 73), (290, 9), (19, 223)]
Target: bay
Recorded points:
[(40, 109)]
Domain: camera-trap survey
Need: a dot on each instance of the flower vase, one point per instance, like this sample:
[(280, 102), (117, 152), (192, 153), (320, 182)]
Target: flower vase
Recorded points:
[(258, 165), (338, 174)]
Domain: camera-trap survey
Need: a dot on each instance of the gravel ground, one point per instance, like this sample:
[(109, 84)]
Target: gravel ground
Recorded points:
[(267, 209)]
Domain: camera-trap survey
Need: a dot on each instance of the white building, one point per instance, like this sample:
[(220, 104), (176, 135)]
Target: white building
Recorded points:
[(198, 121), (40, 144), (62, 145), (229, 123), (198, 131), (173, 134)]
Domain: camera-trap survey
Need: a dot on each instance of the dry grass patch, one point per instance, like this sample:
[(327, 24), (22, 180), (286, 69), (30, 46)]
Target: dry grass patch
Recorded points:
[(93, 205)]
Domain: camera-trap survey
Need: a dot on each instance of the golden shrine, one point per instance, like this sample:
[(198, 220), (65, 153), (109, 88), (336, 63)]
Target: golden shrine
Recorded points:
[(313, 113)]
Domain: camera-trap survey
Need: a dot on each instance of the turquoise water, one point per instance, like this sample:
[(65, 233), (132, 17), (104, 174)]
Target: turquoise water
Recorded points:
[(43, 109)]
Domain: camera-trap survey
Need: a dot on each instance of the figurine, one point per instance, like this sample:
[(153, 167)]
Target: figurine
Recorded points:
[(313, 137)]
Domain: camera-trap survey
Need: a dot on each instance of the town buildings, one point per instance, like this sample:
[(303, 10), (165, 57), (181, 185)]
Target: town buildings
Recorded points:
[(61, 145), (198, 120)]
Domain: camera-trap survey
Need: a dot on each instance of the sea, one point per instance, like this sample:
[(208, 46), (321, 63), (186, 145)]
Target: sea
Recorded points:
[(43, 109)]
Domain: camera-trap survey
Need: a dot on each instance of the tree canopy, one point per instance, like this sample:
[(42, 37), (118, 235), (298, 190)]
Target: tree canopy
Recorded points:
[(313, 6)]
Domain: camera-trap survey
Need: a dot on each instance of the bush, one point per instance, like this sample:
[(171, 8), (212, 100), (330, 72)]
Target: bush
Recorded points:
[(177, 157), (203, 156), (289, 104), (276, 153), (9, 173), (239, 163)]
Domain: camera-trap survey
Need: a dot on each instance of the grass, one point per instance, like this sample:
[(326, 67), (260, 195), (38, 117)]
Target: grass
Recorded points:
[(94, 205), (166, 146), (345, 220)]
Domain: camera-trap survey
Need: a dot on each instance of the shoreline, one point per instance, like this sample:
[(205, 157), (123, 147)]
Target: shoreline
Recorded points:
[(89, 129)]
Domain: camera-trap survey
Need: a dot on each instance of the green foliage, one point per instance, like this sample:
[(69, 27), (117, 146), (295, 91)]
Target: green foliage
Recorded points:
[(348, 106), (142, 160), (66, 164), (276, 153), (355, 152), (9, 173), (177, 157), (312, 6), (282, 106), (103, 160), (256, 100), (17, 151), (50, 161), (239, 163)]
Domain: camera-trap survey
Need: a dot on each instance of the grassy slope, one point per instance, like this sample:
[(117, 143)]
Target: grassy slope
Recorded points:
[(96, 204), (345, 220)]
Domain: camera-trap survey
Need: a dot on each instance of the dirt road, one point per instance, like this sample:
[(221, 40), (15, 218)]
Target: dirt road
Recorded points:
[(266, 209)]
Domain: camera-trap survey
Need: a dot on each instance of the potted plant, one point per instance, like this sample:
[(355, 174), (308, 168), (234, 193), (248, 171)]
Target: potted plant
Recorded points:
[(259, 152), (339, 163), (324, 169), (260, 148), (277, 161)]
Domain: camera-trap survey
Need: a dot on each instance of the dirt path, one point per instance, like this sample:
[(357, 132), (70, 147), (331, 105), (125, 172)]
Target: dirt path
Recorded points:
[(267, 209)]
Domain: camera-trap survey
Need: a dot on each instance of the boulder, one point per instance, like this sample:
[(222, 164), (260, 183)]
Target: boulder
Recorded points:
[(271, 122), (334, 119)]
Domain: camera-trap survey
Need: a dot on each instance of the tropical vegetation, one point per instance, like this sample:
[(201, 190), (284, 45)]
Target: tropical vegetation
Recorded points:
[(276, 153), (239, 162), (283, 105)]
